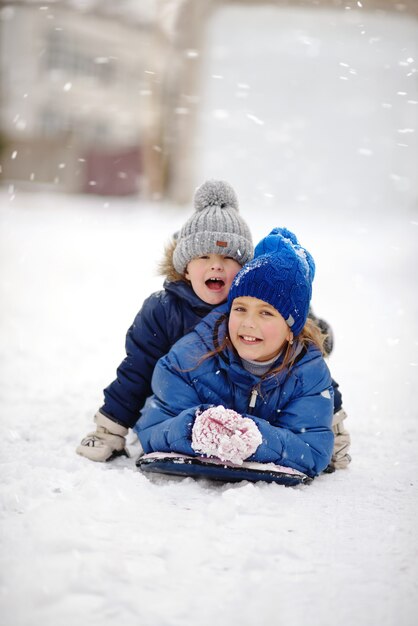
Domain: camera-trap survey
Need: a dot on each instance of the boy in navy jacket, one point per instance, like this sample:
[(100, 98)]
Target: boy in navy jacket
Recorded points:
[(200, 265)]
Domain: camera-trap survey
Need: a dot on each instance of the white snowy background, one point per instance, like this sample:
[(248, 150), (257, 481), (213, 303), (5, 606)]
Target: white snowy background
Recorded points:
[(311, 116)]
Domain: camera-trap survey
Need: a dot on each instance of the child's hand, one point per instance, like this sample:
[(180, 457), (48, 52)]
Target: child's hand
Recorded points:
[(106, 442), (225, 434)]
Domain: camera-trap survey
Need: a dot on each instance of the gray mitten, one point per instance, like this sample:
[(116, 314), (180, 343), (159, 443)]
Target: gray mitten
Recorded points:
[(106, 442)]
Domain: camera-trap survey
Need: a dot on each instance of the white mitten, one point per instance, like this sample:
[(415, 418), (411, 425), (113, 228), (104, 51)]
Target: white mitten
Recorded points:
[(342, 440), (225, 434), (106, 442)]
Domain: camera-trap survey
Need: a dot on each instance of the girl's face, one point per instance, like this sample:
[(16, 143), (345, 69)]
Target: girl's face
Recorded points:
[(211, 277), (256, 329)]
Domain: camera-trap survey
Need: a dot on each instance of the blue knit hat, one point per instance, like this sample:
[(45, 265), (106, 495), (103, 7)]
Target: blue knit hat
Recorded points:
[(281, 274)]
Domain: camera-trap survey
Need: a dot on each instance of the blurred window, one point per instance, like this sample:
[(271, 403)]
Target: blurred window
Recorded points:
[(62, 53), (53, 123)]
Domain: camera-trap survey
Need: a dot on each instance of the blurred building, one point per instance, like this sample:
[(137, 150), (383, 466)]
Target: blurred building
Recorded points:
[(97, 96), (101, 97), (75, 98)]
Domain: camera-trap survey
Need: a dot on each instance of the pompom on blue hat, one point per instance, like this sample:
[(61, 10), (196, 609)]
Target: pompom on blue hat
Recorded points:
[(281, 274)]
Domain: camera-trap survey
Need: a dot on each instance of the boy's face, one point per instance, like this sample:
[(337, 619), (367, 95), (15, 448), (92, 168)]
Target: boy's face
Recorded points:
[(256, 329), (211, 277)]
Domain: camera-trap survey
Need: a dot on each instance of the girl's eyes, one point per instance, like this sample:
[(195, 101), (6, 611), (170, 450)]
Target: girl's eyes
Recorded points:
[(241, 309)]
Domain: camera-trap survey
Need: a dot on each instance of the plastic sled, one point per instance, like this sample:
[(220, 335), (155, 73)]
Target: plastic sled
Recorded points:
[(174, 464)]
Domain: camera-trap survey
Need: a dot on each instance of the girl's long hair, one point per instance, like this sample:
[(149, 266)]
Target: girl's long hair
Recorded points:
[(311, 334)]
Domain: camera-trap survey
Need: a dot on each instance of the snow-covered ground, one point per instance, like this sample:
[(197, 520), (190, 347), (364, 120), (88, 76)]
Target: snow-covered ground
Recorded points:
[(85, 543)]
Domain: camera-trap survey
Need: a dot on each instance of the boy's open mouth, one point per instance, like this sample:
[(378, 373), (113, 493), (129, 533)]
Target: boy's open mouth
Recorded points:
[(215, 284)]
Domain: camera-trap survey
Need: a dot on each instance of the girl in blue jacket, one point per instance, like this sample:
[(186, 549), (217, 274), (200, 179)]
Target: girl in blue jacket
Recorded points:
[(250, 382)]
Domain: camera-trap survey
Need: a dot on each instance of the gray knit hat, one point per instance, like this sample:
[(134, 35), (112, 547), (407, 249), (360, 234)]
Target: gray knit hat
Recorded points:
[(216, 227)]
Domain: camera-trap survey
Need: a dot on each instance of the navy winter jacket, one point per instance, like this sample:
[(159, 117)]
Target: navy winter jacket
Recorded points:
[(293, 409), (164, 317)]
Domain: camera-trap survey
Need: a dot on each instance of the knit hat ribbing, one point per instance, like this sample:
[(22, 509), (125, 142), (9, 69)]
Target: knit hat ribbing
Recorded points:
[(216, 227), (281, 274)]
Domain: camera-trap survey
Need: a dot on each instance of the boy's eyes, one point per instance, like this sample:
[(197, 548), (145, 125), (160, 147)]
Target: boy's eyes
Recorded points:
[(206, 256)]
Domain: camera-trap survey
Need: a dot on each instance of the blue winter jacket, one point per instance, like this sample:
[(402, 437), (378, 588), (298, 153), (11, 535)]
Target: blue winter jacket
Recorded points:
[(164, 317), (293, 409)]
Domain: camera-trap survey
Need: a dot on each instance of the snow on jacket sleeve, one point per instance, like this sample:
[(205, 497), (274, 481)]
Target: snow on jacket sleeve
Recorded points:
[(146, 341), (166, 426), (301, 436)]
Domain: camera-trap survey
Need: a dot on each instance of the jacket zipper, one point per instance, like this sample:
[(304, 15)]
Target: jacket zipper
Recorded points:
[(253, 400)]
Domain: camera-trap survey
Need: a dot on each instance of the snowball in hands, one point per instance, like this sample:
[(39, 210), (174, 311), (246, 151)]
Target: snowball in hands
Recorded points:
[(225, 434)]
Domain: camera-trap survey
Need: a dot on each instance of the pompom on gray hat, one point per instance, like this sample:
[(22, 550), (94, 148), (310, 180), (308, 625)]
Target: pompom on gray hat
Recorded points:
[(216, 227), (281, 274)]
